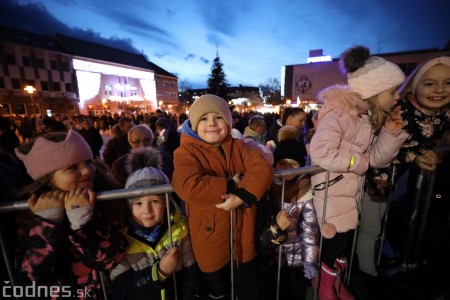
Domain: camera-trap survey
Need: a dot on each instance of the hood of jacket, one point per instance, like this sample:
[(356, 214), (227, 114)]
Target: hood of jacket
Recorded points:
[(340, 97)]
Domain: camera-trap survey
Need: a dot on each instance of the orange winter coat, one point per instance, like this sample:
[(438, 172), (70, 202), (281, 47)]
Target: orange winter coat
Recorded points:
[(202, 174)]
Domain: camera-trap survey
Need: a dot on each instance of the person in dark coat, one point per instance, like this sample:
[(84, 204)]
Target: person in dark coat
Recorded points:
[(140, 136), (92, 137), (118, 145), (8, 138), (167, 137)]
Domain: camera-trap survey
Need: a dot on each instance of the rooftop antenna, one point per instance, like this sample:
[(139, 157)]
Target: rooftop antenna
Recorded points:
[(379, 47)]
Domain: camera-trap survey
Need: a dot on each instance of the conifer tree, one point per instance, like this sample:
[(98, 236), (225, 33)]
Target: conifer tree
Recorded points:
[(217, 82)]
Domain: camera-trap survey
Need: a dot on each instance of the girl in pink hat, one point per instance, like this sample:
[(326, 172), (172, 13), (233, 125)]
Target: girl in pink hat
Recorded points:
[(356, 129), (65, 239), (424, 105)]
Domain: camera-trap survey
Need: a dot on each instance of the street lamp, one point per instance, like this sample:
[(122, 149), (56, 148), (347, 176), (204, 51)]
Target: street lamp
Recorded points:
[(30, 89), (161, 104)]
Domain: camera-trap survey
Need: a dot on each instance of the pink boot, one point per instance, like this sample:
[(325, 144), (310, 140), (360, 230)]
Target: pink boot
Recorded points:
[(327, 282), (343, 294)]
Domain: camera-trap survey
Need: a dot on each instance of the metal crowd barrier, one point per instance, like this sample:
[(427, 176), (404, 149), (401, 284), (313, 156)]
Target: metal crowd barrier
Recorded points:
[(167, 189)]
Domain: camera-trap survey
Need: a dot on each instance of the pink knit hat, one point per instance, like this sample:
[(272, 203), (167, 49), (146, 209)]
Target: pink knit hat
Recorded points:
[(376, 76), (48, 156), (411, 83)]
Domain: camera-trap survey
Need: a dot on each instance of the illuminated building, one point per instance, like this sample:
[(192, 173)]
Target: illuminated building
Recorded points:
[(72, 76)]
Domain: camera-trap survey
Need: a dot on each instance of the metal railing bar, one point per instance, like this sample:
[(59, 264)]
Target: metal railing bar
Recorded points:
[(139, 192)]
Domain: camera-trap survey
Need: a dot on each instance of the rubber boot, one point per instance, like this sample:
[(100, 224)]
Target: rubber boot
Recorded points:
[(326, 285), (340, 265)]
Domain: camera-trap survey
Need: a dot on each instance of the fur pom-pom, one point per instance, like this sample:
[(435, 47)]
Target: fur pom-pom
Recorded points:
[(288, 132), (354, 58), (328, 230), (144, 157)]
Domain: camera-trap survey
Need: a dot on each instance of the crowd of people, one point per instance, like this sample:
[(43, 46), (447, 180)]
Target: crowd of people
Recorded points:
[(229, 220)]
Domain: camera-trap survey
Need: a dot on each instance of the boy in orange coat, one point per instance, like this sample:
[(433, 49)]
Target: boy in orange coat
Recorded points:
[(217, 175)]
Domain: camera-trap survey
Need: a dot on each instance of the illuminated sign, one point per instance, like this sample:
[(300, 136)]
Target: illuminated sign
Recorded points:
[(319, 59)]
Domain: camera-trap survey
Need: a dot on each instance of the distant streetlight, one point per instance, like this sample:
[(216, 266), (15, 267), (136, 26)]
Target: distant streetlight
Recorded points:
[(161, 104), (30, 89), (288, 102)]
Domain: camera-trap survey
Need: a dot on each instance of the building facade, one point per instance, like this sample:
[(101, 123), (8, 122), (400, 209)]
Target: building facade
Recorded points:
[(39, 63), (45, 75)]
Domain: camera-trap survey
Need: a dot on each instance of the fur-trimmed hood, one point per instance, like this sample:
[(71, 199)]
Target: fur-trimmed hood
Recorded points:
[(340, 97)]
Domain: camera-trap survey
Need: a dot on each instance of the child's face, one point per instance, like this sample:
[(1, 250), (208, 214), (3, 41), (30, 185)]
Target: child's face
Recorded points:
[(433, 89), (81, 174), (285, 164), (148, 211), (387, 99), (212, 128)]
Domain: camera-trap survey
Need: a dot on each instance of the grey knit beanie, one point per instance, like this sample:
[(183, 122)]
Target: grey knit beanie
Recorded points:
[(144, 163)]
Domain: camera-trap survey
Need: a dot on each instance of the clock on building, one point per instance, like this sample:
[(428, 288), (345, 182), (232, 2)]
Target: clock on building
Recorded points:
[(303, 84)]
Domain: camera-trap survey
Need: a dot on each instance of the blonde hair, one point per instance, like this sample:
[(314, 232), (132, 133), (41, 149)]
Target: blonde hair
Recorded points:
[(377, 115)]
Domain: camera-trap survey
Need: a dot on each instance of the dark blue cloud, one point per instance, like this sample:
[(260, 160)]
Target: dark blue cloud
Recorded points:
[(35, 17), (132, 21)]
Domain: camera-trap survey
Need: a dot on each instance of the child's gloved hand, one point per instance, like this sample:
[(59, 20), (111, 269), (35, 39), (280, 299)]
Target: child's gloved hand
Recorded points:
[(310, 270)]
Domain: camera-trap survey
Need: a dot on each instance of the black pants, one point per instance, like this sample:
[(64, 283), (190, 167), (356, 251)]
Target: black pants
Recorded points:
[(336, 247), (246, 283), (293, 283)]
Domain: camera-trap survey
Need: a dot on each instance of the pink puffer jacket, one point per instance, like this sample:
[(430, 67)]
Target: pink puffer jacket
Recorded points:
[(344, 129)]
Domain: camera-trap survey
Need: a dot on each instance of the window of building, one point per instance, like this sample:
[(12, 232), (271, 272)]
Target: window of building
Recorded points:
[(20, 109), (122, 94), (5, 109), (29, 82), (68, 87), (16, 84), (2, 83), (133, 92), (64, 66), (44, 85), (56, 86), (26, 61), (71, 107), (107, 90), (39, 63), (10, 58), (54, 65)]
